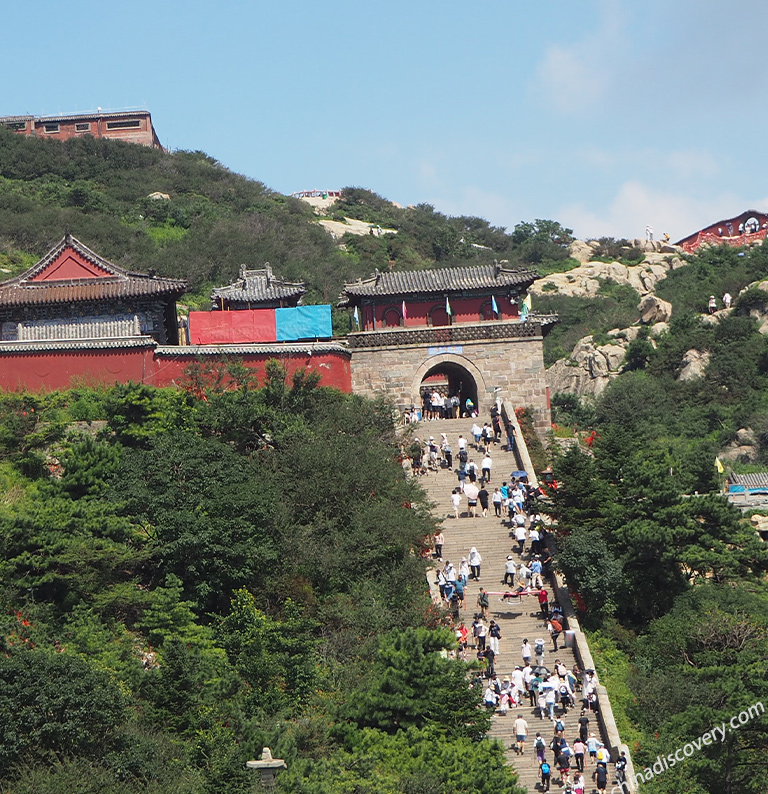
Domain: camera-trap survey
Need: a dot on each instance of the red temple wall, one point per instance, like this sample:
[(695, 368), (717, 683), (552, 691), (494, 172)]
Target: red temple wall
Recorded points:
[(62, 370), (334, 368)]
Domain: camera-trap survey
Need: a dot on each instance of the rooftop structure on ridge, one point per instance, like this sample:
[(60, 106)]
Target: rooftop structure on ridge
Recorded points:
[(133, 126), (258, 289)]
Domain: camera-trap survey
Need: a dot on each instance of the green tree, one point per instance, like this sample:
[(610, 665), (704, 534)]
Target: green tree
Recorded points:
[(713, 645), (411, 761), (277, 658), (55, 705), (87, 466), (413, 684)]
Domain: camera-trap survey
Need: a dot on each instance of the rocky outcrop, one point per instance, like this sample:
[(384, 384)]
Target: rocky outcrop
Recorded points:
[(760, 523), (694, 364), (582, 251), (759, 313), (338, 229), (589, 369), (654, 310), (585, 281), (743, 449)]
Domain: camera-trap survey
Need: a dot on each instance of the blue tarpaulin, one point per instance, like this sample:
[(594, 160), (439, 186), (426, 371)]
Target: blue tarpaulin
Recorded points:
[(303, 322)]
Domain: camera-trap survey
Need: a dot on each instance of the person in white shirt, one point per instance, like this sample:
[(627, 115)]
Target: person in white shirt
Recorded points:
[(456, 502), (520, 536), (497, 499), (526, 651), (477, 431), (518, 681), (485, 465), (521, 734), (510, 569), (474, 563)]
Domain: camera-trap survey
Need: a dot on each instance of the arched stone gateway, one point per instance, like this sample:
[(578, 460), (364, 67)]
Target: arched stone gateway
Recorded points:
[(460, 329), (460, 377)]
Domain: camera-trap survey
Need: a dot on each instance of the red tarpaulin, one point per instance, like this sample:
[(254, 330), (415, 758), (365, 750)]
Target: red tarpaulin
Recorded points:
[(225, 328)]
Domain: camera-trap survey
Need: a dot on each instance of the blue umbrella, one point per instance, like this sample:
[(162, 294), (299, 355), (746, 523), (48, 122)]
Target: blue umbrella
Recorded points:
[(519, 474)]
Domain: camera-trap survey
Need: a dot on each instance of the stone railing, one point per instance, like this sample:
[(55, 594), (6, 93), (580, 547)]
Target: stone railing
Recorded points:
[(523, 458), (445, 334), (575, 638)]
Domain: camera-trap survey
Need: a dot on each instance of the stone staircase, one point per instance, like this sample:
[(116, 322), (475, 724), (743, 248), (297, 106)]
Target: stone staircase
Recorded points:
[(517, 620)]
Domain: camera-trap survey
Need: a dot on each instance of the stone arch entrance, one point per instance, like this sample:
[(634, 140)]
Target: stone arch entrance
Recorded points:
[(452, 373)]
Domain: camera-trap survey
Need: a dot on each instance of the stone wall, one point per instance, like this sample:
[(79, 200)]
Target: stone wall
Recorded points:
[(513, 366)]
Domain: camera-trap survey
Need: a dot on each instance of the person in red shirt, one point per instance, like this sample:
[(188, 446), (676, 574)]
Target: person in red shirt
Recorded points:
[(462, 635), (544, 602)]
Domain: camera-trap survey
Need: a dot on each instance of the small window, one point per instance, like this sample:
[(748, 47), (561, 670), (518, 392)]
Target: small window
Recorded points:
[(84, 127), (51, 127), (123, 125), (17, 126)]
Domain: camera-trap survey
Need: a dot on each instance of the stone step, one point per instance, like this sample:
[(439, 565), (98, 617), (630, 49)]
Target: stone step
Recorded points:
[(518, 619)]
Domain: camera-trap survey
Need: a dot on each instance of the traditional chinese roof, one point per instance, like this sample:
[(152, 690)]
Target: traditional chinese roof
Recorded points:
[(48, 345), (272, 348), (259, 286), (71, 272), (443, 281), (718, 233), (755, 480)]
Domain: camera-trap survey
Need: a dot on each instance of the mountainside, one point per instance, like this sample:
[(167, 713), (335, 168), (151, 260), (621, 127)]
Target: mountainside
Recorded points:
[(185, 215), (178, 565)]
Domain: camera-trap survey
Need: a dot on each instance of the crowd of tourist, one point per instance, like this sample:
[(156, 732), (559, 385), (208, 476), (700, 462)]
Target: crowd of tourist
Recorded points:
[(546, 691)]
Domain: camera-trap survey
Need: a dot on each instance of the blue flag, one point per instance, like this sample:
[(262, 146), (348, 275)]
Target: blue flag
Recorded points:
[(494, 306)]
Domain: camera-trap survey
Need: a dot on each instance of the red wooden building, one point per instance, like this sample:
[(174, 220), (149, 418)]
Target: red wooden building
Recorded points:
[(744, 229), (446, 296)]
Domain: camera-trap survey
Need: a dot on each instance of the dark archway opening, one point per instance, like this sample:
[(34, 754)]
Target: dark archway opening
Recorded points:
[(449, 379)]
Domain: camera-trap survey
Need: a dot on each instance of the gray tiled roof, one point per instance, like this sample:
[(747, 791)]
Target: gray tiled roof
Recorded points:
[(115, 282), (252, 349), (757, 480), (44, 345), (255, 286), (437, 280)]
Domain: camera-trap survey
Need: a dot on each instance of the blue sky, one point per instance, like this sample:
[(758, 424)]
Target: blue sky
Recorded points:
[(601, 114)]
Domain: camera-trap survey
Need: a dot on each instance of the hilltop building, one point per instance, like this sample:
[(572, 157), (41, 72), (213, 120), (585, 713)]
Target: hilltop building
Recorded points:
[(462, 330), (743, 229), (134, 126)]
